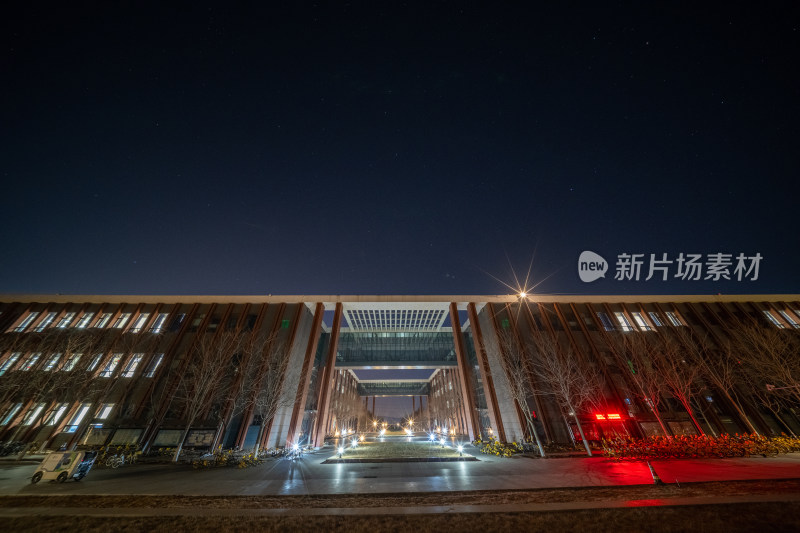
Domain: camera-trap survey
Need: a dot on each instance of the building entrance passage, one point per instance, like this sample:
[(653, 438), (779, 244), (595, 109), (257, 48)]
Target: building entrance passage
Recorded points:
[(394, 370)]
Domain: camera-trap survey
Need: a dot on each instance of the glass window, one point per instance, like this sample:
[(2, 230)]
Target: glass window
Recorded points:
[(84, 321), (607, 324), (103, 321), (623, 321), (48, 319), (777, 323), (105, 410), (655, 319), (121, 320), (158, 325), (94, 362), (32, 414), (52, 362), (138, 324), (65, 320), (108, 370), (27, 322), (130, 369), (10, 414), (73, 424), (790, 319), (151, 370), (55, 415), (673, 317), (640, 321), (31, 361), (10, 362), (72, 360)]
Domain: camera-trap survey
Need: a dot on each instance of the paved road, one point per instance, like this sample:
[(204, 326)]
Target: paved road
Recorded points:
[(309, 476)]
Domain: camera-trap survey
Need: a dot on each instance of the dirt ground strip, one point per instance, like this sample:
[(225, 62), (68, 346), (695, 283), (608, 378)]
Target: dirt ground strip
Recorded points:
[(731, 518), (586, 494)]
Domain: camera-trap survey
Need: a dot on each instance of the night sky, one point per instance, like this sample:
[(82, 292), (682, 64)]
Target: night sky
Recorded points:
[(430, 148)]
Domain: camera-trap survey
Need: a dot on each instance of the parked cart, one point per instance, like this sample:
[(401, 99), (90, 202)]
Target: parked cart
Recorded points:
[(61, 466)]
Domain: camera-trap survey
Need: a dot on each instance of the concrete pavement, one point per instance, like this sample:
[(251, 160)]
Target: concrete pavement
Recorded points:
[(309, 476)]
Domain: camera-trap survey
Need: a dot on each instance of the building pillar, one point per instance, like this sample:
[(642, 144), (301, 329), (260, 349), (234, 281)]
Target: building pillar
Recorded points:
[(327, 378), (486, 374), (463, 367), (299, 409)]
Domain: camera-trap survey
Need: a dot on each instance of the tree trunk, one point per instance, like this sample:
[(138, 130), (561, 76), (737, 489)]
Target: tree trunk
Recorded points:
[(535, 433), (180, 444), (583, 437), (687, 405)]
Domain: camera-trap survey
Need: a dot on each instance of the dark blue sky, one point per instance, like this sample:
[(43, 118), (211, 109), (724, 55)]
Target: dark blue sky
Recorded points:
[(420, 149)]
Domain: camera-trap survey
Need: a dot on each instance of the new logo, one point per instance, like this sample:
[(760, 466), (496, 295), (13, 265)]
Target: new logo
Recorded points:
[(591, 266)]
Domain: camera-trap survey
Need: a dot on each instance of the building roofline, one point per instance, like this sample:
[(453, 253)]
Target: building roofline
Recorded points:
[(407, 299)]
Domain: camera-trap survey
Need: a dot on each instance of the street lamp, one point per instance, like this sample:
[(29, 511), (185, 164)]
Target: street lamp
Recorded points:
[(460, 450), (341, 451)]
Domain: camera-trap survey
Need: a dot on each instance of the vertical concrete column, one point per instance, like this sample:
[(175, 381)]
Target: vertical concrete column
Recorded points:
[(463, 367), (298, 411), (486, 374), (327, 375)]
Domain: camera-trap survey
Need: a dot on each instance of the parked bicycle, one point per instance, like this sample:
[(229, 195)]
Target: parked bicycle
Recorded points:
[(115, 461)]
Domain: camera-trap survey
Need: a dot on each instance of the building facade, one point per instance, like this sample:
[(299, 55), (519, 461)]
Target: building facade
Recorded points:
[(267, 371)]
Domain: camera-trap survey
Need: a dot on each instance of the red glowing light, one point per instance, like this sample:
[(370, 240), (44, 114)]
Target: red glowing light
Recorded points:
[(600, 417), (614, 416)]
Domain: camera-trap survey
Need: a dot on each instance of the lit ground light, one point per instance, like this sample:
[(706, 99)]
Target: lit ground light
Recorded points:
[(397, 450)]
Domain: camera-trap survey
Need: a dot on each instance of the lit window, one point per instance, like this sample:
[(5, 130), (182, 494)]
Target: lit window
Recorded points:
[(108, 370), (72, 360), (655, 319), (103, 321), (121, 320), (27, 322), (11, 413), (789, 319), (32, 414), (52, 362), (607, 324), (55, 415), (84, 321), (48, 319), (73, 424), (105, 410), (141, 320), (777, 323), (65, 320), (130, 369), (673, 318), (31, 361), (158, 325), (94, 362), (640, 321), (623, 321), (9, 362)]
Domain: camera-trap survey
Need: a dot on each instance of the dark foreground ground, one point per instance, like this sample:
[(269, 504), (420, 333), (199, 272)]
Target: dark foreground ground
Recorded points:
[(764, 506)]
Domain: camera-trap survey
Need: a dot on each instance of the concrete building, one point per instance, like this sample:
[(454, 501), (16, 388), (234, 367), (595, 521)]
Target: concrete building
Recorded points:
[(233, 371)]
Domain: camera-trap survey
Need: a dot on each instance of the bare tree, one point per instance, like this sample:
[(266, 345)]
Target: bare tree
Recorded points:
[(201, 384), (718, 367), (268, 389), (516, 366), (771, 355), (632, 351), (769, 363), (575, 386), (679, 372)]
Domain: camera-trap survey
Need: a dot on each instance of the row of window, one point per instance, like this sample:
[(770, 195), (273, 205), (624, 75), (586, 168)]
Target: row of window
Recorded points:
[(641, 324), (787, 316), (93, 320), (68, 364), (53, 417)]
